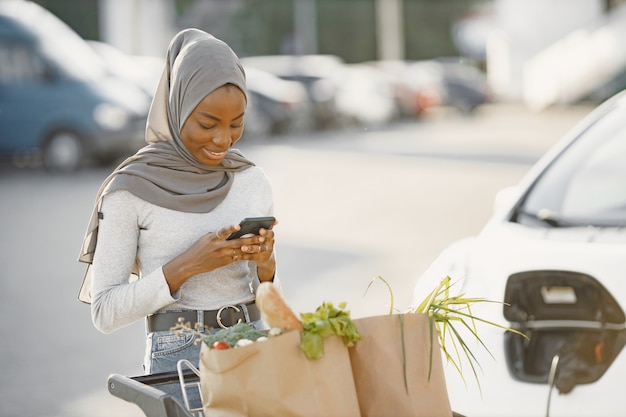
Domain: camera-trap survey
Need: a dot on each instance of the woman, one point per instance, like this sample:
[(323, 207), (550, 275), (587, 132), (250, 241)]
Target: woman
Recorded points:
[(164, 213)]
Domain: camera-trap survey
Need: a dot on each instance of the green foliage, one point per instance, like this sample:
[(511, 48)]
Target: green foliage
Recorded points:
[(451, 315), (325, 321), (346, 28), (232, 335), (80, 15)]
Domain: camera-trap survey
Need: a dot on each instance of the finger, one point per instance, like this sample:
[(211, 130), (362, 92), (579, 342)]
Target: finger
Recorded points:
[(224, 232), (251, 248)]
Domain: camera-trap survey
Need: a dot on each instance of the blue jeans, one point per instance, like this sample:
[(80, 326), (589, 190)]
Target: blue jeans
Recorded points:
[(166, 348), (163, 351)]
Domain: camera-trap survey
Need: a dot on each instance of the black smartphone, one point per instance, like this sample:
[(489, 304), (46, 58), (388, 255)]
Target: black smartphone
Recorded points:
[(252, 225)]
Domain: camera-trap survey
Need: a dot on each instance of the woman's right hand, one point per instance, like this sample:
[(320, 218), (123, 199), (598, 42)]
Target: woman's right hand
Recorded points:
[(213, 251)]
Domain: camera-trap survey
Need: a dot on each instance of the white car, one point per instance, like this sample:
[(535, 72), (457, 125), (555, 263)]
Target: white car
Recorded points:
[(553, 257)]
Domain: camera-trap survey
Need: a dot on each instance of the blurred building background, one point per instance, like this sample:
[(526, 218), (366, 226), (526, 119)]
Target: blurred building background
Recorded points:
[(541, 52)]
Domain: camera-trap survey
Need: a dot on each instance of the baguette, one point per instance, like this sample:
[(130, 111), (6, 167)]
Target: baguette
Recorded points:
[(274, 310)]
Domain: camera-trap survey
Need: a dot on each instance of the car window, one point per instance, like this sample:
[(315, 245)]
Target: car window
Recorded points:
[(61, 47), (600, 184), (586, 184), (18, 64)]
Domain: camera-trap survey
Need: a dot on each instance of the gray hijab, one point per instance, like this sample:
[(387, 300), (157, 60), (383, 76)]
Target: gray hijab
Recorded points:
[(164, 172)]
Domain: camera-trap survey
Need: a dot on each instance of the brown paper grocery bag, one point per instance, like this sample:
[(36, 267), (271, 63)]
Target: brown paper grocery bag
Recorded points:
[(274, 378), (379, 372)]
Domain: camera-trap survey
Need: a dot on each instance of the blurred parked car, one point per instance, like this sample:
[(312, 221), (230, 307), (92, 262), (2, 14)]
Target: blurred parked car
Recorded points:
[(365, 96), (319, 74), (58, 105), (415, 93), (554, 253), (145, 71), (457, 83), (275, 106), (466, 86)]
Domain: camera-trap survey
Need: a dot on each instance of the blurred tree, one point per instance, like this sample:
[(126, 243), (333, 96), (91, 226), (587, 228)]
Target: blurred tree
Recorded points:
[(345, 28), (250, 27), (348, 28), (266, 27), (428, 26), (80, 15)]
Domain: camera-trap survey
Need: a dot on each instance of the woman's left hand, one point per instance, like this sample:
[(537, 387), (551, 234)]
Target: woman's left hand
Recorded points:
[(259, 248)]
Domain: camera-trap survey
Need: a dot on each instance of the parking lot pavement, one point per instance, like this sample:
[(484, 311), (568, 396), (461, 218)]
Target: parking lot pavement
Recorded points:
[(505, 126), (497, 133)]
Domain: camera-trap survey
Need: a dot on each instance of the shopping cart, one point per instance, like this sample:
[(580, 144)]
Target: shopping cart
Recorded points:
[(153, 393), (149, 392)]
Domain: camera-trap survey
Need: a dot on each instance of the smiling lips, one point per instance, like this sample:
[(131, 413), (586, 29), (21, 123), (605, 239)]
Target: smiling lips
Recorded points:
[(213, 155)]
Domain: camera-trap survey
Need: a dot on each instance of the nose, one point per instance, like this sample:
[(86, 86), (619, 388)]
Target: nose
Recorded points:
[(222, 139)]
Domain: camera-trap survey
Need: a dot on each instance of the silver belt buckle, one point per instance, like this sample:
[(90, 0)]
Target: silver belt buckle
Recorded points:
[(219, 316)]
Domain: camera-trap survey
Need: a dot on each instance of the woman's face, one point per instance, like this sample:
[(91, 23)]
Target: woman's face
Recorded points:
[(215, 125)]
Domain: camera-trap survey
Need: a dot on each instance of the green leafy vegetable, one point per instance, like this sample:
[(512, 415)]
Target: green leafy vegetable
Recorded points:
[(325, 321), (232, 334)]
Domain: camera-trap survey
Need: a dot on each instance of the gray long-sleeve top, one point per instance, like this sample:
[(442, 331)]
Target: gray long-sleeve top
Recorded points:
[(133, 228)]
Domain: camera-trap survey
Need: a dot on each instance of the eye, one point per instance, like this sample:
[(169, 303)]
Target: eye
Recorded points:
[(205, 126)]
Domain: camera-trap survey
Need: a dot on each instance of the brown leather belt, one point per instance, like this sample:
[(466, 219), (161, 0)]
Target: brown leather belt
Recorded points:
[(225, 317)]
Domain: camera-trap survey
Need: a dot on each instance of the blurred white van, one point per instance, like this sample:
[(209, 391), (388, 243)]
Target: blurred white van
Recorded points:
[(59, 107)]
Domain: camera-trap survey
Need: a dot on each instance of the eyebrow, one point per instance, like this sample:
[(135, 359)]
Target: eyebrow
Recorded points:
[(217, 119)]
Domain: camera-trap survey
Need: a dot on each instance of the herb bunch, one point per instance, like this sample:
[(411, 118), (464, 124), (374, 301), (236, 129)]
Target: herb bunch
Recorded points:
[(450, 315), (325, 321)]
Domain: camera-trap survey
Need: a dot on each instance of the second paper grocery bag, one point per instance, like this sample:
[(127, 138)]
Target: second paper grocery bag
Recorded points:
[(398, 369)]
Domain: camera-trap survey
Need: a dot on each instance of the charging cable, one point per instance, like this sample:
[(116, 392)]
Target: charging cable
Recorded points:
[(551, 381)]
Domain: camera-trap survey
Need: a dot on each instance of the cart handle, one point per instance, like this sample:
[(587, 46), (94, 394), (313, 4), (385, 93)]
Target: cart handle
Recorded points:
[(153, 402)]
